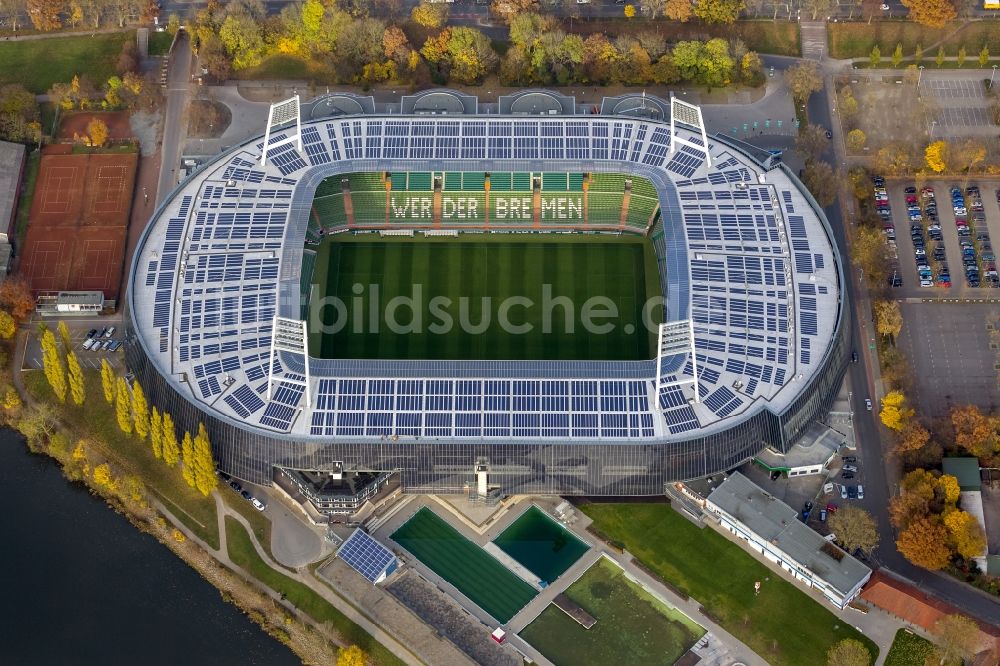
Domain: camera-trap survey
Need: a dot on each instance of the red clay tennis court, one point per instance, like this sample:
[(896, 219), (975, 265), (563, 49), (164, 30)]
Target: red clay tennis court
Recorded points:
[(78, 222)]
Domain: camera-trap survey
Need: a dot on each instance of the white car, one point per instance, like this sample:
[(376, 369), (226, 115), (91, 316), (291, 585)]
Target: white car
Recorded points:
[(88, 343), (868, 404), (843, 492), (257, 504), (861, 491), (926, 283), (849, 468)]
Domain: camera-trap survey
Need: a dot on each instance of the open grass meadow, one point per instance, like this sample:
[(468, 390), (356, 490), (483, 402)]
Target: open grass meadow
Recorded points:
[(242, 552), (476, 573), (909, 649), (95, 421), (37, 64), (633, 627), (484, 279), (761, 35), (284, 66), (783, 624), (856, 40)]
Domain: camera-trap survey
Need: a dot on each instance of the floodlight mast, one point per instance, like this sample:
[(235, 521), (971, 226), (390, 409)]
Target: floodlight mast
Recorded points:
[(289, 335), (676, 337), (282, 113), (690, 115)]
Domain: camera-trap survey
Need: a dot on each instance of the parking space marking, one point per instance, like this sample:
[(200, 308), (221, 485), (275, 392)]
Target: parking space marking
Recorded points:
[(956, 88)]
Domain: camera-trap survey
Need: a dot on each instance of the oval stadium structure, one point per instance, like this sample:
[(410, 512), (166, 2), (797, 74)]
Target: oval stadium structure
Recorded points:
[(745, 258)]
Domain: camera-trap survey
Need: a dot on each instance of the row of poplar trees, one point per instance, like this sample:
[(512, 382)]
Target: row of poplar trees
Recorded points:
[(132, 411)]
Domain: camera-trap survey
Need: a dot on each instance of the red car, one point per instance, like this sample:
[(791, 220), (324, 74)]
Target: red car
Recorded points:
[(831, 507)]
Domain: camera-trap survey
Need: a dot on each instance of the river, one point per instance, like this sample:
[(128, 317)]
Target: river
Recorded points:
[(83, 586)]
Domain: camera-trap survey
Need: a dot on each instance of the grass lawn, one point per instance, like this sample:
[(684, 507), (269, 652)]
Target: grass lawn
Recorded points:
[(37, 64), (782, 624), (95, 421), (159, 43), (761, 35), (476, 573), (258, 521), (242, 552), (478, 275), (908, 649), (856, 40), (31, 164), (287, 67), (633, 627)]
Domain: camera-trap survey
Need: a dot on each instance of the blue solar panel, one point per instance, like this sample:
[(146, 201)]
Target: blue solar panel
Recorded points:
[(367, 556)]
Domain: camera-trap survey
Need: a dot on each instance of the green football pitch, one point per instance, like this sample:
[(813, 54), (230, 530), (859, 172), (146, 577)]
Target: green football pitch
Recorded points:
[(482, 297), (473, 571)]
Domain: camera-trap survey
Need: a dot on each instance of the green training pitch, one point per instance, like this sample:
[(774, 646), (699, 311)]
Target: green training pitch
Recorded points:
[(484, 297), (476, 573)]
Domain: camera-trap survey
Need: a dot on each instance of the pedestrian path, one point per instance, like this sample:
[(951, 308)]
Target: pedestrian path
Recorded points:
[(813, 37)]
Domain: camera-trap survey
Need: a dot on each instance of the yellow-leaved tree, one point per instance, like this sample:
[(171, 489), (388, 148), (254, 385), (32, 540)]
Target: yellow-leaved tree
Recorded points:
[(171, 454), (895, 414), (7, 325), (108, 381), (140, 410), (204, 467), (77, 390), (123, 407), (156, 433), (936, 156), (52, 362), (351, 656), (888, 318), (187, 459), (966, 533), (103, 477)]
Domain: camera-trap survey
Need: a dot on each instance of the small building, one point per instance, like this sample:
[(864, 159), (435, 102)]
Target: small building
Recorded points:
[(367, 556), (70, 303), (772, 528), (12, 159), (970, 497), (809, 456)]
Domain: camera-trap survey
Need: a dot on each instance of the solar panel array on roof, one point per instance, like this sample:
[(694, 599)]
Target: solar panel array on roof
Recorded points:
[(367, 556)]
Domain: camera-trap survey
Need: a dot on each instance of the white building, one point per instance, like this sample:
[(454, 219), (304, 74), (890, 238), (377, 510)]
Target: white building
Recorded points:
[(774, 530)]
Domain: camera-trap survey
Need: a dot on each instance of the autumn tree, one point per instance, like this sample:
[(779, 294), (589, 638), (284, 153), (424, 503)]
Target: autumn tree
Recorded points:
[(803, 79), (811, 142), (956, 638), (984, 56), (103, 477), (719, 11), (925, 543), (395, 44), (679, 10), (187, 459), (977, 433), (855, 528), (848, 652), (918, 55), (123, 406), (430, 14), (913, 437), (7, 325), (888, 318), (16, 298), (936, 156), (893, 159), (817, 7), (171, 452), (462, 54), (961, 56), (968, 154), (140, 410), (932, 13), (856, 140), (156, 433), (506, 10), (867, 252), (848, 103), (97, 131), (52, 363), (45, 14), (708, 63), (819, 178), (875, 57), (108, 381), (897, 55), (629, 10), (351, 656), (895, 414), (967, 535), (77, 389), (204, 466)]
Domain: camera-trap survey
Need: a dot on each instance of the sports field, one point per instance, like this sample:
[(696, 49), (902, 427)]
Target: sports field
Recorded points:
[(472, 570), (483, 297), (633, 627)]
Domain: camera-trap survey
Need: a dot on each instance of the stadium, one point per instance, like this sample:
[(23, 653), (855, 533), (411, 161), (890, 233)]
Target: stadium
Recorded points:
[(260, 294)]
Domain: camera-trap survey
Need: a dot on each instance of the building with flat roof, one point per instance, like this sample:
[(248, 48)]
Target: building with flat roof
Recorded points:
[(70, 303), (12, 157), (773, 529)]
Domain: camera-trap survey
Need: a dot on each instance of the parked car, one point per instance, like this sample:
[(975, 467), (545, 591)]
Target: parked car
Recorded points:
[(111, 331), (246, 495), (852, 492), (847, 475), (257, 504), (831, 507), (843, 492), (868, 404), (237, 488), (92, 332), (88, 343), (861, 491), (822, 515)]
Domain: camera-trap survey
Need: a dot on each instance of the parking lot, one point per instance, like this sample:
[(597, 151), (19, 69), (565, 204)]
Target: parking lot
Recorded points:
[(942, 237), (952, 362), (78, 330)]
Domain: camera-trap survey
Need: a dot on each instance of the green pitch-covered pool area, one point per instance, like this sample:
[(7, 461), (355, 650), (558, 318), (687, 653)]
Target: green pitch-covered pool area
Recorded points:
[(484, 297), (476, 573), (541, 545)]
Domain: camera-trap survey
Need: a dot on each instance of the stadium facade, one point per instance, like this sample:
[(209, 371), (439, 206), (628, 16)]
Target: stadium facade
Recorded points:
[(743, 250)]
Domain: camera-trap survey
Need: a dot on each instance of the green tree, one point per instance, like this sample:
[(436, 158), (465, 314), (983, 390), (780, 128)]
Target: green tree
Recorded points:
[(123, 407), (961, 56), (897, 55), (984, 56), (173, 24), (171, 452), (156, 433), (204, 466), (187, 459), (108, 381), (849, 652), (719, 11), (55, 372), (77, 388), (875, 59), (939, 60), (707, 63), (140, 410), (7, 325), (462, 54), (243, 37)]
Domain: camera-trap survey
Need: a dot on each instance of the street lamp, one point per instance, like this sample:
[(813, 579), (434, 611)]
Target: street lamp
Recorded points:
[(933, 123), (920, 75), (992, 75)]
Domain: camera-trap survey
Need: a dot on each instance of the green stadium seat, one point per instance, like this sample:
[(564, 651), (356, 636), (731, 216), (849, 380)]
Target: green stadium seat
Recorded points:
[(511, 209), (330, 210), (562, 208), (607, 182), (305, 279), (461, 207), (643, 187), (362, 182), (500, 181), (604, 208), (369, 207), (521, 181), (555, 181), (474, 181), (420, 181), (640, 211), (331, 185), (453, 180), (576, 182), (410, 208)]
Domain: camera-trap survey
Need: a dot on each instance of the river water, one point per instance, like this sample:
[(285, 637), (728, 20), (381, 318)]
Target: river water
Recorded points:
[(81, 585)]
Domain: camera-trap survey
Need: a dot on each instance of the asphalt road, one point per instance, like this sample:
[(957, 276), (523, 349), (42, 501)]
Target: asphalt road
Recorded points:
[(878, 468), (178, 82)]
